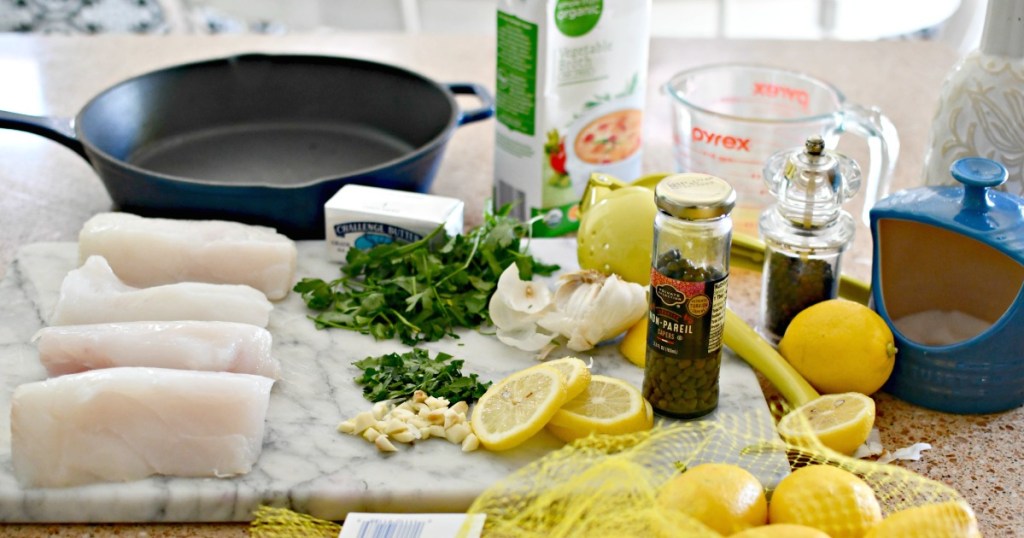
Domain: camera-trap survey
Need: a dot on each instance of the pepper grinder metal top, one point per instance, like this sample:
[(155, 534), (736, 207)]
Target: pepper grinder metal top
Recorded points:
[(805, 232)]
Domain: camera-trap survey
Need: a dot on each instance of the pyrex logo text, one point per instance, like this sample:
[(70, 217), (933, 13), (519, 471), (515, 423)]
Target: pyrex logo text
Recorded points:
[(715, 139), (784, 92)]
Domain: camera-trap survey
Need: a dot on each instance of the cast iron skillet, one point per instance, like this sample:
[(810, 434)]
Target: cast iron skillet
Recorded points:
[(263, 139)]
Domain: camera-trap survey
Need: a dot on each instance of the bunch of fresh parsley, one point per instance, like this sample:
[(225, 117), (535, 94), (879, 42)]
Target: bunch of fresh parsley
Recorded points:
[(397, 376), (423, 291)]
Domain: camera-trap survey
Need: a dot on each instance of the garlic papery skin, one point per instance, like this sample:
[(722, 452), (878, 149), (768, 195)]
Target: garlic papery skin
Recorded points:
[(515, 308), (590, 307), (526, 338), (522, 296)]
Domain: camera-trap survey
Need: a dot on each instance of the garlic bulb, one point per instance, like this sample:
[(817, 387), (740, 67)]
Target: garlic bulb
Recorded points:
[(591, 307), (588, 307)]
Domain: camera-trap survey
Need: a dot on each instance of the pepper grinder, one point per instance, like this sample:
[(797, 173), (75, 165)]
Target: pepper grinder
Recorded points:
[(805, 232)]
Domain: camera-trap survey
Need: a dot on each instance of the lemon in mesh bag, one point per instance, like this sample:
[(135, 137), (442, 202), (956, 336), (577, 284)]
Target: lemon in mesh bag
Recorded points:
[(947, 519), (781, 530), (826, 498), (723, 496)]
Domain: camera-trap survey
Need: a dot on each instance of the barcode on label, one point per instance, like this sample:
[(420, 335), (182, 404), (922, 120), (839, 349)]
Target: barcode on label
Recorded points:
[(367, 525), (506, 193), (378, 528)]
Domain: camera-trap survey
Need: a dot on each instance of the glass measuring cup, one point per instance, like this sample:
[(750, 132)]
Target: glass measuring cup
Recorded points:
[(728, 119)]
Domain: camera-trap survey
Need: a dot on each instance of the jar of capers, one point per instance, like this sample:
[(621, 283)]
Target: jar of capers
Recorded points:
[(689, 280)]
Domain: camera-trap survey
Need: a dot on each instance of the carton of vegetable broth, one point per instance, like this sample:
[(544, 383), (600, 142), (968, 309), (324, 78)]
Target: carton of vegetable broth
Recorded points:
[(570, 86)]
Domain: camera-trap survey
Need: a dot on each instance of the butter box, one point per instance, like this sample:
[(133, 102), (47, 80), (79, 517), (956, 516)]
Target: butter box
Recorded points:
[(360, 217)]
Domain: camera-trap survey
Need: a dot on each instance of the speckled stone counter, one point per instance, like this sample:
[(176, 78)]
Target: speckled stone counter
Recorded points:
[(48, 192)]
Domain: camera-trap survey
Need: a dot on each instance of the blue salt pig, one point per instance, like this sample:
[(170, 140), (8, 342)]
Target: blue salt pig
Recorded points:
[(946, 249)]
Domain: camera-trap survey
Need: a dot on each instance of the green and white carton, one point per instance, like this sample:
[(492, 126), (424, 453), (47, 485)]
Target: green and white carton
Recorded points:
[(570, 87)]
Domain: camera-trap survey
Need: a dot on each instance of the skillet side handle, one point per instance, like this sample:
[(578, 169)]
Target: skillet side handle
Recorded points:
[(60, 130), (476, 114)]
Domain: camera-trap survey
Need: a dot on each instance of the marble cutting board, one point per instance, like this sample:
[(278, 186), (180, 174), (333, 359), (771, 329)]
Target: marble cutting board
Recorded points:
[(305, 464)]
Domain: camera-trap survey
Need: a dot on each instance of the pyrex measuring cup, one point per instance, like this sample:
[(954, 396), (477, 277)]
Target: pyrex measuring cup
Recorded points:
[(729, 118)]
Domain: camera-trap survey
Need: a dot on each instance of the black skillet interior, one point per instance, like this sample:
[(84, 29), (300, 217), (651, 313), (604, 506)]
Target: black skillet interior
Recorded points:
[(267, 120)]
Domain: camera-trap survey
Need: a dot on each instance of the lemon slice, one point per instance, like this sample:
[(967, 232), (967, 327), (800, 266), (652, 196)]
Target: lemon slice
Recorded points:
[(607, 406), (517, 407), (841, 422), (576, 372)]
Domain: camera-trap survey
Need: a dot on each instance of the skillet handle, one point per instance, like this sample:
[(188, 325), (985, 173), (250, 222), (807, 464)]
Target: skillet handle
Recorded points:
[(57, 129), (476, 114)]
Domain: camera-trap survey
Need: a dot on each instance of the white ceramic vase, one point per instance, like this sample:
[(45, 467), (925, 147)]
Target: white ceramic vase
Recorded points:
[(981, 105)]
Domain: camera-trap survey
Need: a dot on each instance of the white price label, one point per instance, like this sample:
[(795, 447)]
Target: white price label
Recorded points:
[(366, 525)]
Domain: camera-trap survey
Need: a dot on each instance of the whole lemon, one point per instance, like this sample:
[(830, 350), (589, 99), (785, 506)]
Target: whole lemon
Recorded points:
[(634, 344), (827, 498), (723, 496), (617, 233), (840, 346), (950, 519), (781, 530)]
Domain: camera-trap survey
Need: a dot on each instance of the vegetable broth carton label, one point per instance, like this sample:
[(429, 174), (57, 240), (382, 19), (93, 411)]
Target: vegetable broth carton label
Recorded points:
[(570, 87), (363, 217)]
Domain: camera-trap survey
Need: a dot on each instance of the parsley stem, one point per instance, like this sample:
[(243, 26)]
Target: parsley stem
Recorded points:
[(463, 267), (403, 320), (415, 245)]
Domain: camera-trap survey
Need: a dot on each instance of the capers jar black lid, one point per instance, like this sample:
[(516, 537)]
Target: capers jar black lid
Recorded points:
[(694, 196)]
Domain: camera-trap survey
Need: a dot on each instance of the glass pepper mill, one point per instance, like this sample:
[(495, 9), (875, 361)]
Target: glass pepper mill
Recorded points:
[(805, 232)]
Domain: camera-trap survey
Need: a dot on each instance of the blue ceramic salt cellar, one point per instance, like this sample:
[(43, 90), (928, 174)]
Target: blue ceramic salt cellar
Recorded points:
[(951, 260)]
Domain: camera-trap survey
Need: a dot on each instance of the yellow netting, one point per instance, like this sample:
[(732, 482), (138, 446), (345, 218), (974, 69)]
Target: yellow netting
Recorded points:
[(608, 485), (283, 523)]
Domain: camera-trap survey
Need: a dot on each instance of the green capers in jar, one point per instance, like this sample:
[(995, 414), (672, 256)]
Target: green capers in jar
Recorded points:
[(689, 280)]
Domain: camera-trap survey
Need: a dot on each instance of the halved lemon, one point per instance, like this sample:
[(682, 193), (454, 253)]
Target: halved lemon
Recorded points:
[(607, 406), (576, 372), (841, 422), (517, 407)]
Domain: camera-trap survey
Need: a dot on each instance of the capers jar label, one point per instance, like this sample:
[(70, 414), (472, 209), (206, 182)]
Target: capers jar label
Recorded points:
[(686, 318)]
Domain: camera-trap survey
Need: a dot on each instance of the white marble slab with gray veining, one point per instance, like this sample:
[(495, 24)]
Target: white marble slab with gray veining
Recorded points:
[(305, 465)]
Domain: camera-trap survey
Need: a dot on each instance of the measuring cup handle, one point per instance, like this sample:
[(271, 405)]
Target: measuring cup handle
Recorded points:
[(883, 148)]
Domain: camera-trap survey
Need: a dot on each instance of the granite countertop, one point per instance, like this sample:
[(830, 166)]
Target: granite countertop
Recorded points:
[(49, 192)]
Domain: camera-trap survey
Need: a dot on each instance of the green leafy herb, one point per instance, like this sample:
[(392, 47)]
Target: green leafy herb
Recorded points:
[(423, 291), (397, 377)]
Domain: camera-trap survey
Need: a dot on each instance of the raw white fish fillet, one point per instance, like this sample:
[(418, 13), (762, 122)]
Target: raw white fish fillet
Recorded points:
[(93, 294), (149, 252), (213, 346), (122, 424)]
